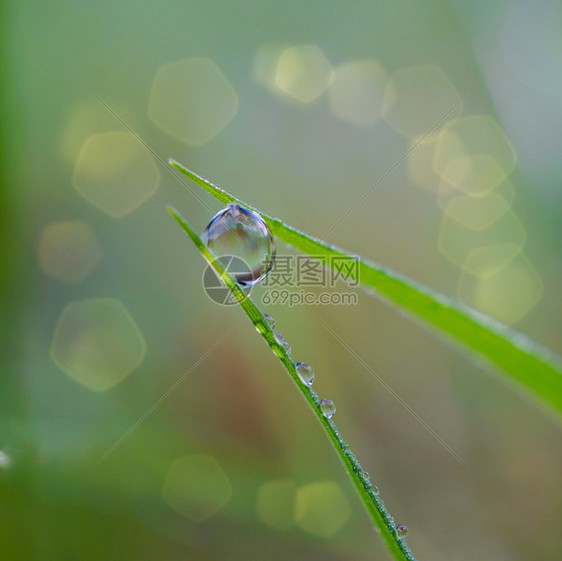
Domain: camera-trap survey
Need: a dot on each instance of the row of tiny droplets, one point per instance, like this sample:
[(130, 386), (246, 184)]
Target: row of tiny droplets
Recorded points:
[(328, 408)]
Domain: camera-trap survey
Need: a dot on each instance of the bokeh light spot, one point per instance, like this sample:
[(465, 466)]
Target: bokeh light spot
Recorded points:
[(456, 241), (474, 175), (448, 192), (303, 72), (477, 213), (97, 343), (192, 100), (420, 100), (68, 251), (321, 508), (115, 173), (196, 487), (486, 261), (508, 295), (275, 503), (357, 92), (474, 154)]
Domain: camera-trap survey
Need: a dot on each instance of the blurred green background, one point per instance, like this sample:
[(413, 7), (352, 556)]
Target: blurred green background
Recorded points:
[(298, 108)]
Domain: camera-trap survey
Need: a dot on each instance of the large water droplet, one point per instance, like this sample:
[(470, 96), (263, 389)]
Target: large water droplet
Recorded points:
[(305, 373), (270, 320), (283, 342), (401, 531), (328, 408), (242, 233)]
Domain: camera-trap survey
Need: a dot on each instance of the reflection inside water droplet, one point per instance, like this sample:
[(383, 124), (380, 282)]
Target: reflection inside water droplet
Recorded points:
[(401, 531), (328, 408), (240, 232), (305, 373)]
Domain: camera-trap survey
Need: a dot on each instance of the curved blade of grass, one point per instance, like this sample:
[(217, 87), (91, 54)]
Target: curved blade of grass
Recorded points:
[(534, 369), (382, 519)]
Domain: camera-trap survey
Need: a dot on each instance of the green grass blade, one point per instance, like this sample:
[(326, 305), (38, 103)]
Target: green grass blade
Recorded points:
[(373, 504), (533, 368)]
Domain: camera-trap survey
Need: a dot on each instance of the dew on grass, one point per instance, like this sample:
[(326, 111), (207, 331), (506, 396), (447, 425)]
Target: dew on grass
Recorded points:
[(305, 373), (237, 231), (270, 320), (401, 531), (375, 490), (283, 342), (328, 408)]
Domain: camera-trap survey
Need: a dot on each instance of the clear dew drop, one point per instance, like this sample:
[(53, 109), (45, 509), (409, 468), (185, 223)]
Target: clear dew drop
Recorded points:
[(401, 531), (306, 374), (270, 320), (375, 490), (283, 342), (242, 233), (328, 408)]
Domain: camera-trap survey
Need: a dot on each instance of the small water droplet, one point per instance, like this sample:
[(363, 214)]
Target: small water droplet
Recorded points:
[(283, 342), (375, 490), (366, 475), (401, 531), (270, 320), (5, 460), (260, 327), (328, 408), (305, 373), (242, 233)]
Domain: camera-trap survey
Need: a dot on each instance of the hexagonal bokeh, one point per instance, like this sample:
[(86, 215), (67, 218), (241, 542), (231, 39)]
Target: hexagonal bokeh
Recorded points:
[(474, 154), (196, 487), (357, 92), (68, 251), (321, 508), (448, 192), (477, 213), (456, 242), (508, 295), (97, 343), (192, 100), (486, 261), (420, 100), (303, 72), (115, 173), (275, 503)]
